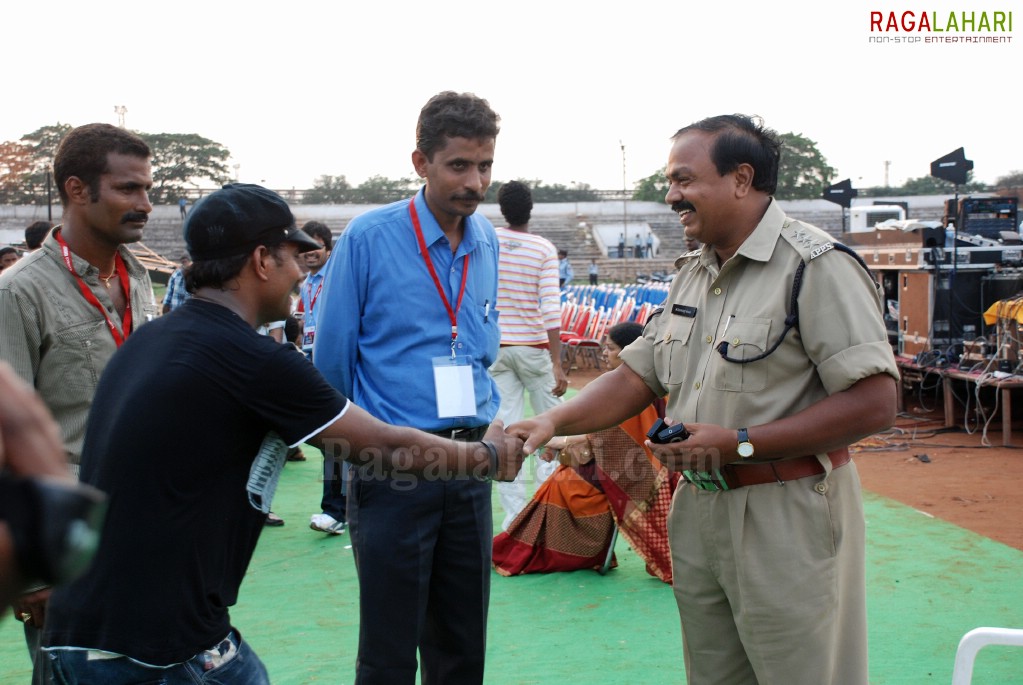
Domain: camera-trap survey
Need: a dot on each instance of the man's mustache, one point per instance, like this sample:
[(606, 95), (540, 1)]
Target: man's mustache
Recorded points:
[(682, 205), (134, 218), (468, 197)]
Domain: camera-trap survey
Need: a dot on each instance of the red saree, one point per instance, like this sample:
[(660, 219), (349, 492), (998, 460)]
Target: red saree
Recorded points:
[(568, 524)]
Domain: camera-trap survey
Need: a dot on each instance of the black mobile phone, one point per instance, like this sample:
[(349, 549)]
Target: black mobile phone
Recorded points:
[(661, 433)]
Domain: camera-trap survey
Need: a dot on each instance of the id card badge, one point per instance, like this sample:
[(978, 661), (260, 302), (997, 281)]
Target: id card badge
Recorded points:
[(452, 381), (308, 335)]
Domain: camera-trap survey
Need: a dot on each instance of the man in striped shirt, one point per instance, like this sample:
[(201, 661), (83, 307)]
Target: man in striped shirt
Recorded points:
[(529, 302)]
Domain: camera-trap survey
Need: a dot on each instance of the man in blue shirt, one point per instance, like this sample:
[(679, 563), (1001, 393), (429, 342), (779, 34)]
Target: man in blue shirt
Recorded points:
[(565, 273), (309, 292), (407, 327), (332, 518)]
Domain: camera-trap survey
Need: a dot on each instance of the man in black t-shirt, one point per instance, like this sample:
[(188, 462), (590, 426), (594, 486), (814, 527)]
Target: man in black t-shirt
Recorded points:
[(188, 496)]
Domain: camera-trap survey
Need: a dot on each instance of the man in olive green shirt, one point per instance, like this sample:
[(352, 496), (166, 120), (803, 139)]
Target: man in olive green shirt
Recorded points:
[(67, 307), (767, 531)]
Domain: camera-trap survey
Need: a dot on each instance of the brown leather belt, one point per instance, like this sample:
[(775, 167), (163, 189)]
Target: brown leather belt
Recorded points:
[(732, 476)]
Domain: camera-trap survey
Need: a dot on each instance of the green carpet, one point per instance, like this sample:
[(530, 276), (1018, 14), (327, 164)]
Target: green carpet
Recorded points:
[(929, 583)]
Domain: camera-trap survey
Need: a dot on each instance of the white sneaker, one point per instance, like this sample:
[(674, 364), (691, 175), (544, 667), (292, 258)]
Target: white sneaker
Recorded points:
[(326, 523)]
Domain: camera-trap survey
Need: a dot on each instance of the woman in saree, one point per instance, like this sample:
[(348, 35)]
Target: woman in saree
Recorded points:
[(606, 480)]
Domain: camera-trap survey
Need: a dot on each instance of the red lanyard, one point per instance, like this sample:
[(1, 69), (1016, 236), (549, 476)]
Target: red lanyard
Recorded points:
[(452, 313), (90, 297), (313, 298)]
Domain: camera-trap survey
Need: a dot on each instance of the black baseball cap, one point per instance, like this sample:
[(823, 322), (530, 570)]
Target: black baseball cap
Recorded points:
[(238, 218)]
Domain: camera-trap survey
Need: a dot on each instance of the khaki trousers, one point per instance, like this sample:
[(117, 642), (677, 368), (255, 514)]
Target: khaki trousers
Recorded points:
[(770, 582)]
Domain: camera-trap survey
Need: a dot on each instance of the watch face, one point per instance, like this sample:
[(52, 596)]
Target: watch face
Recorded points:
[(745, 449)]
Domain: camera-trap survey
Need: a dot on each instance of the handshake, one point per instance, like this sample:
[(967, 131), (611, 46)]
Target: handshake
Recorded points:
[(514, 443), (506, 455)]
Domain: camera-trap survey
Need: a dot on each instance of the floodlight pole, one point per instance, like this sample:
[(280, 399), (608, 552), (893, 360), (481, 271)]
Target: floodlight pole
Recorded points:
[(625, 200)]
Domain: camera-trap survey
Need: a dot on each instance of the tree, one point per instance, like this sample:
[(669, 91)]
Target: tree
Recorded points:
[(179, 160), (378, 190), (15, 170), (328, 190), (43, 144), (653, 188), (924, 185), (184, 159), (577, 192), (1010, 185), (803, 173)]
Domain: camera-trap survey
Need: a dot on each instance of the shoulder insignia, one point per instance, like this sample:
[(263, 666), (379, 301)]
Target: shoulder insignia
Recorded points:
[(809, 241), (821, 249)]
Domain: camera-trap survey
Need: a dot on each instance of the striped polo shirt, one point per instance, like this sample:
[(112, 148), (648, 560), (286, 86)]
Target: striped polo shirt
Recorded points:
[(528, 295)]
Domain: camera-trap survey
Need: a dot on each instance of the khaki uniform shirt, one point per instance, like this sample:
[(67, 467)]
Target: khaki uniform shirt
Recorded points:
[(840, 339), (55, 339)]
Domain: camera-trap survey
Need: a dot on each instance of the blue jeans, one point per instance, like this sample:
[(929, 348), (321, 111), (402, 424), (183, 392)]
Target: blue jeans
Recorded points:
[(72, 667)]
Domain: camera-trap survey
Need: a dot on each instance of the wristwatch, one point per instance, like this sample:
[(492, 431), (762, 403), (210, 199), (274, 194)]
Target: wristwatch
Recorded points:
[(745, 448)]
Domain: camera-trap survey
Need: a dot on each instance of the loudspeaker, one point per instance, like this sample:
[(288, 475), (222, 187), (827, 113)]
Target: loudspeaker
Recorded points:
[(958, 304)]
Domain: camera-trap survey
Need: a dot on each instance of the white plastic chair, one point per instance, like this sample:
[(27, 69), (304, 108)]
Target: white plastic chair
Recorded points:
[(973, 641)]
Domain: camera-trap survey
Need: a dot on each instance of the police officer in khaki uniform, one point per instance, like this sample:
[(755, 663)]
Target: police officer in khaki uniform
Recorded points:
[(773, 353)]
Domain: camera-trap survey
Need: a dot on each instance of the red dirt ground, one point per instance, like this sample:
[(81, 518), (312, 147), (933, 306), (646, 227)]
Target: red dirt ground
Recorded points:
[(948, 474)]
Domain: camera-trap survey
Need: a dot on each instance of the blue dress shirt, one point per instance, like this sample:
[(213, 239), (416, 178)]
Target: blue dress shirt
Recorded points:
[(381, 320)]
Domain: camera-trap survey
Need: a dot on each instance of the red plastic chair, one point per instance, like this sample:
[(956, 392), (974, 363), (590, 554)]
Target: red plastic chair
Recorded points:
[(589, 345)]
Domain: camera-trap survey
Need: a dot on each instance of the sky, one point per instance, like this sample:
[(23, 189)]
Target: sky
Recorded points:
[(296, 90)]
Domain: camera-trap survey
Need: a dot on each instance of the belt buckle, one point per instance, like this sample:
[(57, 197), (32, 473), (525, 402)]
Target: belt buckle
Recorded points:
[(705, 480)]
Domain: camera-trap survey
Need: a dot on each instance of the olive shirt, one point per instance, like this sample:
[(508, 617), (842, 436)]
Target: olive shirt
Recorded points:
[(840, 339), (55, 339)]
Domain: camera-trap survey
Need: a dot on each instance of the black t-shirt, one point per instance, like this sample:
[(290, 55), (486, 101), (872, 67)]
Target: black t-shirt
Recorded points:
[(178, 418)]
